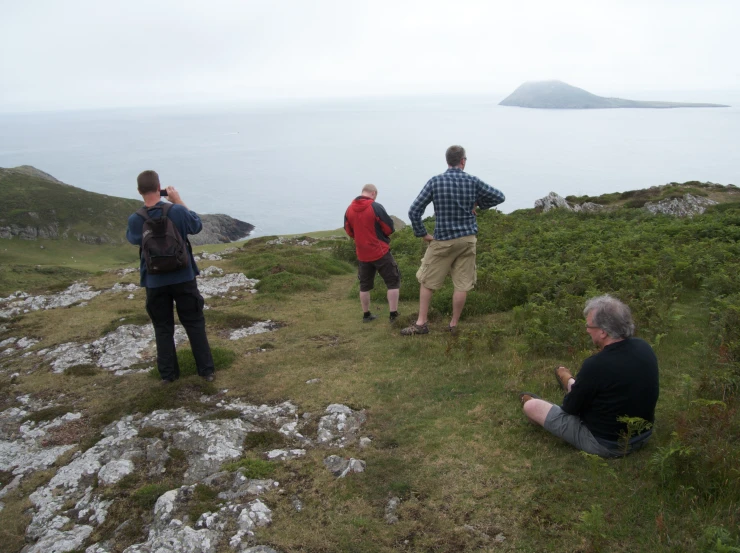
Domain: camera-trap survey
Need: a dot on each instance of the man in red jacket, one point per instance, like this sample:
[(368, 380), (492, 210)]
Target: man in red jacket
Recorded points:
[(368, 223)]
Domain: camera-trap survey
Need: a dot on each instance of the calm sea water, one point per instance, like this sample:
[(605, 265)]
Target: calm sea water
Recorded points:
[(290, 168)]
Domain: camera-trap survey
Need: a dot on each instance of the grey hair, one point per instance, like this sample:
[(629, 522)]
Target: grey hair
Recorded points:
[(611, 316)]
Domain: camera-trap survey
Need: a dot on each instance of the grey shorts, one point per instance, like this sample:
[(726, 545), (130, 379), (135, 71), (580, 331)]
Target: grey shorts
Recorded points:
[(571, 429)]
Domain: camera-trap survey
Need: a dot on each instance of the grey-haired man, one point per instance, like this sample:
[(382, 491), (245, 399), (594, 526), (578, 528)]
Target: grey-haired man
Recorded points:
[(620, 380)]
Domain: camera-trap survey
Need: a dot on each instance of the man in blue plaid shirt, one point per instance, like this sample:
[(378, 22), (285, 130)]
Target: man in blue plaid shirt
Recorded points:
[(451, 250)]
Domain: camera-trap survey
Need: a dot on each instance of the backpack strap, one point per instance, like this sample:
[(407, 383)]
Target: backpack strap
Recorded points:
[(143, 213)]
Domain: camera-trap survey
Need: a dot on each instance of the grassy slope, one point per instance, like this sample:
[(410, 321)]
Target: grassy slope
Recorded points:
[(448, 434), (75, 209)]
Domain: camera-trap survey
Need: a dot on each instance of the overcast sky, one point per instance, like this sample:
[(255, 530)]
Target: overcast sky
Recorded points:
[(89, 53)]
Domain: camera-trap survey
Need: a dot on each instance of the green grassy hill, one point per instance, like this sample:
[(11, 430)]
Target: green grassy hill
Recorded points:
[(448, 435), (34, 200)]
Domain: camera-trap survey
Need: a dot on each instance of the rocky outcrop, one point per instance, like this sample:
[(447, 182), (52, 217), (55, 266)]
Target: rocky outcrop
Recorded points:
[(66, 511), (398, 224), (220, 229), (555, 201), (688, 206)]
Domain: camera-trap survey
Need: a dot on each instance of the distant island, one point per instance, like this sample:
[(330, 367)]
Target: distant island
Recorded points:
[(560, 95)]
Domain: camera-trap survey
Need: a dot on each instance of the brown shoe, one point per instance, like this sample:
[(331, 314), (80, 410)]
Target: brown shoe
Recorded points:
[(562, 375), (452, 330), (524, 397), (415, 329), (210, 377)]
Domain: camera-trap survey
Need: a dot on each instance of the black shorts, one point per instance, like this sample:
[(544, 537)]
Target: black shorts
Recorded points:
[(388, 269)]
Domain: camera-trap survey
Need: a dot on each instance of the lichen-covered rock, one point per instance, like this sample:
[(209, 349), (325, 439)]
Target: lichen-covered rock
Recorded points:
[(341, 467), (284, 454), (58, 541), (23, 451), (390, 510), (209, 443), (127, 345), (69, 508), (177, 538), (260, 327), (118, 287), (114, 471), (688, 206), (20, 302), (220, 286), (340, 425), (211, 271), (555, 201)]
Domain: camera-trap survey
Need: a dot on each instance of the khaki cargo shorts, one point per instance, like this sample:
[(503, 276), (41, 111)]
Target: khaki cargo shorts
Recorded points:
[(454, 257)]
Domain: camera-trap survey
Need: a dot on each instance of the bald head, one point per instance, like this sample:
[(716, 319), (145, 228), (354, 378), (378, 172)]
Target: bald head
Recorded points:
[(370, 191)]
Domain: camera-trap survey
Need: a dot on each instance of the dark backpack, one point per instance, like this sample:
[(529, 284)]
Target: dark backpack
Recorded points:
[(162, 246)]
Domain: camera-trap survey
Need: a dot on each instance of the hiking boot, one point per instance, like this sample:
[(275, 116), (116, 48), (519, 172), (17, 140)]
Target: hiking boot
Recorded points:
[(562, 375), (524, 397), (369, 318), (393, 317), (415, 329), (452, 329), (210, 377)]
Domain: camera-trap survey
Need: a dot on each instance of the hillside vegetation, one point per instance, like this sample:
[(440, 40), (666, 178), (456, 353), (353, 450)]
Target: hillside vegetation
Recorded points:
[(36, 205), (34, 201), (448, 436)]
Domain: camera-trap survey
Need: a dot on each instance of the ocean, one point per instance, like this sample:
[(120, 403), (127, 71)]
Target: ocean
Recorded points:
[(292, 167)]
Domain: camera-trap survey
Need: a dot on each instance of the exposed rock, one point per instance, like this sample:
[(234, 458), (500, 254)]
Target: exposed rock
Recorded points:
[(68, 509), (284, 454), (260, 327), (307, 241), (341, 467), (340, 426), (118, 287), (14, 345), (116, 351), (220, 228), (212, 270), (390, 510), (313, 381), (58, 541), (207, 257), (20, 302), (398, 224), (365, 442), (114, 471), (220, 286), (22, 447), (688, 206), (555, 201)]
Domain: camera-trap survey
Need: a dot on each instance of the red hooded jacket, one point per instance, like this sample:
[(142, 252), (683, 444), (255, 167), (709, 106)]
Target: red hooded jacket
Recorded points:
[(367, 222)]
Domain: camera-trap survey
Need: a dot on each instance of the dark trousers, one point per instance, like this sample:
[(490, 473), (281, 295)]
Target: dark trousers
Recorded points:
[(189, 305)]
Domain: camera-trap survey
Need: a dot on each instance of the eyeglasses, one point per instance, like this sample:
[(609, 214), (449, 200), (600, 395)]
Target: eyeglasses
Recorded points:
[(590, 327)]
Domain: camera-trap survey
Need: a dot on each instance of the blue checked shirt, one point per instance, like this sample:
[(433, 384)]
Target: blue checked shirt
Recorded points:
[(455, 194)]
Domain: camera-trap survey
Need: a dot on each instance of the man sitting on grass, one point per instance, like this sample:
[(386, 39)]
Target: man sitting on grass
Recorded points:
[(620, 380)]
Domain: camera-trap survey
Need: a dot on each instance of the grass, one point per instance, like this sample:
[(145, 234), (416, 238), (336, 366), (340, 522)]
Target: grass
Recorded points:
[(251, 468)]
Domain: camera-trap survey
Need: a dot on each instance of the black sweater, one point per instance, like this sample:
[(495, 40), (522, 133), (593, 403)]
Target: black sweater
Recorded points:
[(622, 379)]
